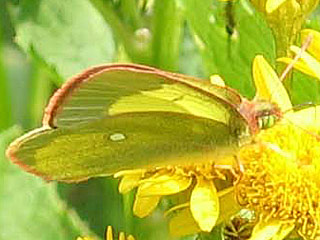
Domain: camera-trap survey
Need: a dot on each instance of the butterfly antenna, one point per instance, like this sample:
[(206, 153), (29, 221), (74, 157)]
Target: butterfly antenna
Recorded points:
[(303, 48), (305, 130), (300, 107)]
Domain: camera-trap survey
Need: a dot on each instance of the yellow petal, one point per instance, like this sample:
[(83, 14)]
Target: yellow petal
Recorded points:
[(272, 5), (204, 204), (228, 204), (308, 118), (143, 206), (268, 85), (217, 80), (265, 230), (183, 224), (139, 172), (127, 183), (122, 236), (310, 61), (164, 185), (130, 179), (284, 231), (314, 47), (299, 65), (109, 235)]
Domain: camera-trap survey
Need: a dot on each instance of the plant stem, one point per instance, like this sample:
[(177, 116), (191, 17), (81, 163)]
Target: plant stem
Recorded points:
[(5, 100), (130, 11), (126, 35), (41, 89), (166, 30)]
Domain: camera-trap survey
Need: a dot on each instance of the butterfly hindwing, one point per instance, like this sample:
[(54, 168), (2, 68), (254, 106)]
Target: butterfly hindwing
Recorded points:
[(128, 141)]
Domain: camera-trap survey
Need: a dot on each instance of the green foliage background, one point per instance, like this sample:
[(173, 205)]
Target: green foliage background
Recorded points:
[(43, 42)]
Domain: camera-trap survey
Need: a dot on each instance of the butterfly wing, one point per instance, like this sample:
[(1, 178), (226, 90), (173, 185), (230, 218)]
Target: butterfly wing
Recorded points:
[(126, 141), (115, 89), (119, 117)]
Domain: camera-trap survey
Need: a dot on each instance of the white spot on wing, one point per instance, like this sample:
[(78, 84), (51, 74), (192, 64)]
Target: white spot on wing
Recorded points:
[(117, 137)]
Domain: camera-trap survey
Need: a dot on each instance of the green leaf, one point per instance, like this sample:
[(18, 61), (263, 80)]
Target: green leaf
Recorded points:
[(304, 90), (313, 20), (98, 203), (40, 90), (190, 61), (230, 56), (136, 43), (29, 207), (68, 35)]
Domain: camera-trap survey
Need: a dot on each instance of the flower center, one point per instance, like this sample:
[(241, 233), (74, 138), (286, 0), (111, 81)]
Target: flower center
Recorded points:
[(281, 177)]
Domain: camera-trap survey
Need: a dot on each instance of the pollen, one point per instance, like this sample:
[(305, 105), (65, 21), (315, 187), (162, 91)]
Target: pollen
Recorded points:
[(281, 177)]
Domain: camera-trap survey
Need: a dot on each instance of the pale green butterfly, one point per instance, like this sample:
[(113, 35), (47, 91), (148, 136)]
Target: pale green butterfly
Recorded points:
[(125, 116)]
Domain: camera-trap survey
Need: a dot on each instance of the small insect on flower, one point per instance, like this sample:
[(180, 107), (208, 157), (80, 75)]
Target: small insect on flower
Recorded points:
[(240, 226)]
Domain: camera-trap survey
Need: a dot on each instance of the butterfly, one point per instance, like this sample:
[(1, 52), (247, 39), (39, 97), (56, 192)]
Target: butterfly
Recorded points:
[(126, 116)]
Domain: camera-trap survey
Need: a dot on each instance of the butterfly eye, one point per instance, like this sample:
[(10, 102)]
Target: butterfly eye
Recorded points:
[(266, 121)]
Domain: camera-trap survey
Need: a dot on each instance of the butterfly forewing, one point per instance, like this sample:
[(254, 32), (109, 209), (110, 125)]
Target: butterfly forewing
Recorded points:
[(115, 89)]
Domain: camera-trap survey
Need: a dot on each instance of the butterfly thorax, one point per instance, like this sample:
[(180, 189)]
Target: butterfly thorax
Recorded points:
[(260, 114)]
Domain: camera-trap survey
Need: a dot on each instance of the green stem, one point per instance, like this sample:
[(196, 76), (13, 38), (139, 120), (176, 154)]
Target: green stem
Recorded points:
[(5, 101), (41, 89), (128, 215), (126, 35), (130, 11), (166, 30)]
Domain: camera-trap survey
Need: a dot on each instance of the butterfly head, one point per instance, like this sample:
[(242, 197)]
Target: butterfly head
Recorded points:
[(260, 114)]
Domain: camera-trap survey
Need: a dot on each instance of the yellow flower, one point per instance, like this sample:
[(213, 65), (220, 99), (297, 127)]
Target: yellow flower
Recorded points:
[(281, 179), (199, 203), (285, 18), (306, 5), (281, 170), (307, 63), (200, 206), (109, 236), (269, 6)]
